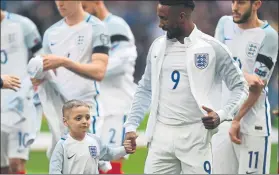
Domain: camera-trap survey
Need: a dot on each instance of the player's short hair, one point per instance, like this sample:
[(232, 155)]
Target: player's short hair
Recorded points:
[(73, 104), (185, 3)]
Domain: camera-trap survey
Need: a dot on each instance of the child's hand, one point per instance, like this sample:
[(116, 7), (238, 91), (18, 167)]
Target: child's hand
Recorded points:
[(128, 147)]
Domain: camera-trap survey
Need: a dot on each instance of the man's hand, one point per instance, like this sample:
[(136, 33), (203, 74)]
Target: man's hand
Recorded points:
[(132, 136), (52, 62), (234, 132), (10, 82), (254, 80), (36, 82), (128, 147), (211, 120)]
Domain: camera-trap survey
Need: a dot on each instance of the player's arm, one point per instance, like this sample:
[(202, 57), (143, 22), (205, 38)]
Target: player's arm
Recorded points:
[(56, 160), (96, 69), (142, 99), (230, 73), (123, 52), (32, 37), (262, 70)]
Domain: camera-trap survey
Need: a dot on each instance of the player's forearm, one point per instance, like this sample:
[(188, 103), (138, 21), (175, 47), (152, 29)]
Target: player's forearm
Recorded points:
[(249, 103), (95, 70), (140, 105)]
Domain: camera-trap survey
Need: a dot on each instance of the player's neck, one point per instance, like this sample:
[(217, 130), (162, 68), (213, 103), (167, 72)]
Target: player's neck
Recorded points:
[(103, 13), (187, 30), (75, 18), (251, 23), (77, 136)]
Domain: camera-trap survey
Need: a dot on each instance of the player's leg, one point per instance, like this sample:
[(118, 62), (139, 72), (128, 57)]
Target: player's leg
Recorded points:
[(254, 155), (224, 158), (18, 151), (193, 149), (113, 134), (160, 158), (4, 153)]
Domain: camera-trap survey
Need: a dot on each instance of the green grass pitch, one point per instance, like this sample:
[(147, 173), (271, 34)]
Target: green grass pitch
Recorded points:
[(38, 163)]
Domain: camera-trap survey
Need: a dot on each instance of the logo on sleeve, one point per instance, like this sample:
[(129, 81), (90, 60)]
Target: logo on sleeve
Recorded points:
[(201, 60), (93, 151), (252, 49), (104, 39)]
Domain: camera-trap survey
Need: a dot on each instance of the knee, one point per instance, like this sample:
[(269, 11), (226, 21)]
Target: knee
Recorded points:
[(17, 165)]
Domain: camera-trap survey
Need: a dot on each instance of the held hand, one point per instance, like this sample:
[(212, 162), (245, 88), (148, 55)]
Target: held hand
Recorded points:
[(234, 132), (211, 120), (36, 82), (52, 62), (132, 136), (128, 147), (10, 82)]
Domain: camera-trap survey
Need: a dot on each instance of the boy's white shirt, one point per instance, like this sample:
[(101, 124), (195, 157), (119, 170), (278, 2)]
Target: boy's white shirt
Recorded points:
[(196, 43), (81, 157)]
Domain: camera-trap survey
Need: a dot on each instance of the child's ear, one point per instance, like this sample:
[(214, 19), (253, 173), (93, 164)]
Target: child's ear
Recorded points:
[(65, 122)]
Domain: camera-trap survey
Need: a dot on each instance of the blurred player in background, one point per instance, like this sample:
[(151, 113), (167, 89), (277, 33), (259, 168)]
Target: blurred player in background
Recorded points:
[(19, 35), (118, 85), (77, 48), (254, 45), (181, 82)]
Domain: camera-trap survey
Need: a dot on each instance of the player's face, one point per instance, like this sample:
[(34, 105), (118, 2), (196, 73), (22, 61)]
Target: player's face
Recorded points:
[(241, 10), (90, 7), (168, 22), (67, 8), (78, 120)]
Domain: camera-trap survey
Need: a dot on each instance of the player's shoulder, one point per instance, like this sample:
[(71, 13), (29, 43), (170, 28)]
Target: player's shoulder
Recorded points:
[(113, 20), (225, 19), (209, 41), (22, 20), (94, 21), (271, 35), (94, 137), (54, 26)]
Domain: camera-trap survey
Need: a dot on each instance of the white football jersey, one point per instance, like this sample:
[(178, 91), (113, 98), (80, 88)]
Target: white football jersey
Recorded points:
[(18, 35), (78, 43), (255, 50), (177, 104), (118, 87), (71, 156)]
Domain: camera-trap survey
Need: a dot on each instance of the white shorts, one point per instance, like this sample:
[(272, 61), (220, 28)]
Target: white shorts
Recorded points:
[(252, 156), (179, 149), (14, 145), (113, 132), (224, 159)]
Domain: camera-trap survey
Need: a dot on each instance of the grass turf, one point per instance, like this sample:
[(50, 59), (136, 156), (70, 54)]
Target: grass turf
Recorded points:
[(38, 163)]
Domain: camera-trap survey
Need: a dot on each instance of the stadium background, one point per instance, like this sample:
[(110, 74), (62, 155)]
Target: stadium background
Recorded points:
[(141, 16)]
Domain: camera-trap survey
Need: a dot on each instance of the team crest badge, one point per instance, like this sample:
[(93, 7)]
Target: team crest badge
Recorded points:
[(201, 60), (93, 151), (252, 49), (105, 39)]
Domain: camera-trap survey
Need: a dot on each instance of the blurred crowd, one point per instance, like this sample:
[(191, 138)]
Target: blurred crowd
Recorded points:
[(141, 16)]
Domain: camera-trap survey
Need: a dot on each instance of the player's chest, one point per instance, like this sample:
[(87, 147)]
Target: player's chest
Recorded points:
[(12, 39), (65, 42), (245, 46)]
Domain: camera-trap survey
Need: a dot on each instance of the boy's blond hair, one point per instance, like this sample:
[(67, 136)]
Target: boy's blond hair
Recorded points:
[(69, 105)]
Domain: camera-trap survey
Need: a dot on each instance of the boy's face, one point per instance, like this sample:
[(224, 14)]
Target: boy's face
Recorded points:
[(77, 119)]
